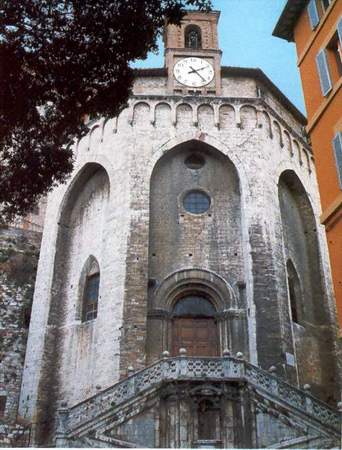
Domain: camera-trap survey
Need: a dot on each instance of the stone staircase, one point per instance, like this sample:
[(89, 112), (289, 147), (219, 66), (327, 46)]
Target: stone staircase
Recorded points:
[(87, 423)]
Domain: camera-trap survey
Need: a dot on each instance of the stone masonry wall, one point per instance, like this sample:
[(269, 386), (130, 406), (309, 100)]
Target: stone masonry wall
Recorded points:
[(19, 251)]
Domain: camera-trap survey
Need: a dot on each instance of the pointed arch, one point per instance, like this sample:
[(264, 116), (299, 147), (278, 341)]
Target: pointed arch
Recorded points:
[(89, 290), (294, 293), (301, 244), (82, 220)]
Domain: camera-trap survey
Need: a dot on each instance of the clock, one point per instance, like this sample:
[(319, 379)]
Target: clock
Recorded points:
[(193, 72)]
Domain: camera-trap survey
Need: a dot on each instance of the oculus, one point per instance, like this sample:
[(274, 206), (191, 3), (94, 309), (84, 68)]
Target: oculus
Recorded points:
[(196, 202)]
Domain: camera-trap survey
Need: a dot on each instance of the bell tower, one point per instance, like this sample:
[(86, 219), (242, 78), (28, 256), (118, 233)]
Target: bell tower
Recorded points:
[(192, 54)]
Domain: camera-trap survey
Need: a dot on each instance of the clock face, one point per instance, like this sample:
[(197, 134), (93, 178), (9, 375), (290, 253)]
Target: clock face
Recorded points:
[(193, 72)]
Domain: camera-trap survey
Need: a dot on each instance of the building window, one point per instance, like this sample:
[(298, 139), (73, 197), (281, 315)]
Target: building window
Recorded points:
[(336, 51), (339, 32), (193, 37), (337, 144), (90, 297), (194, 161), (313, 14), (325, 4), (323, 71), (294, 292), (196, 202)]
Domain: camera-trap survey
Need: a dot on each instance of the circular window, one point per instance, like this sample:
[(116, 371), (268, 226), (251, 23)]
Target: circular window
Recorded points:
[(196, 202), (194, 161)]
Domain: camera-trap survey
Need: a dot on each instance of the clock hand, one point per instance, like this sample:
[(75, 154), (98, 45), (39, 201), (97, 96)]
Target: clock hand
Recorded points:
[(195, 71)]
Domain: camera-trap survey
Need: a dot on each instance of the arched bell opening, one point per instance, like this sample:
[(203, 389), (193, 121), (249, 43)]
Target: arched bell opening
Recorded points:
[(193, 37), (194, 326)]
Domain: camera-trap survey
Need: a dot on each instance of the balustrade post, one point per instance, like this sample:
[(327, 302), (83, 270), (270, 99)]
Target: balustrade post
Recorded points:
[(274, 382), (226, 363), (182, 362), (308, 400), (165, 365), (131, 384)]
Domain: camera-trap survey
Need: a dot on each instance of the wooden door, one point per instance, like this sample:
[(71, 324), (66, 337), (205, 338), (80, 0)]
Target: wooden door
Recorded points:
[(198, 335)]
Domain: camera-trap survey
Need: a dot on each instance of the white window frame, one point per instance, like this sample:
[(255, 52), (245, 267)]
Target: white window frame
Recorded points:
[(322, 57), (313, 14), (337, 146), (323, 7)]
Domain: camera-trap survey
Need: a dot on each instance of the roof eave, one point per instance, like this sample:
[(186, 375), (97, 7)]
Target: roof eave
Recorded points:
[(284, 28)]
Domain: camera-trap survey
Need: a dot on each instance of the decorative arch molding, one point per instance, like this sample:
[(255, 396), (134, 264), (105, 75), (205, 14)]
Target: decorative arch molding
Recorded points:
[(183, 282), (82, 173), (201, 137), (285, 169)]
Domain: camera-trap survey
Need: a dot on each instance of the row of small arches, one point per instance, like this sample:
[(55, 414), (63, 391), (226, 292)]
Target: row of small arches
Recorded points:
[(204, 116)]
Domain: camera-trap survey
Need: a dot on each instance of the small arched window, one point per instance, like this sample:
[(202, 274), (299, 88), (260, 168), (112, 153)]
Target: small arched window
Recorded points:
[(193, 37), (91, 293), (295, 295)]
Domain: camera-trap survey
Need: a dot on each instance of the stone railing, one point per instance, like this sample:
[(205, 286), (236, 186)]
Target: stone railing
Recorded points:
[(182, 368)]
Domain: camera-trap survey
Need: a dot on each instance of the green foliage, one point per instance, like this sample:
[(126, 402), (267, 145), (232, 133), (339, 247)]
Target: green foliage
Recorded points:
[(61, 59)]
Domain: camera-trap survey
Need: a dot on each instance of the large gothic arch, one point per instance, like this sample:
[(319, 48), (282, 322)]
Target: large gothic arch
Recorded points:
[(214, 268)]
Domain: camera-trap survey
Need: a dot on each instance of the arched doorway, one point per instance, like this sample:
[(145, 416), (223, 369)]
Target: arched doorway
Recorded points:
[(194, 327)]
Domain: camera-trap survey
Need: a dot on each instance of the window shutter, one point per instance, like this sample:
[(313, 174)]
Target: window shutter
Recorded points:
[(339, 31), (313, 14), (337, 143), (323, 70)]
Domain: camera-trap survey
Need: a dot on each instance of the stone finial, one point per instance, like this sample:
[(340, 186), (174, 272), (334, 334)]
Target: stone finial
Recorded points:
[(307, 387), (182, 352), (272, 369), (239, 355), (165, 354), (226, 352), (98, 387), (339, 407), (130, 370)]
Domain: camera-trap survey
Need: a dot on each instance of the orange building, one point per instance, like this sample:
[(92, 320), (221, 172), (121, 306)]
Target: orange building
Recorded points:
[(316, 28)]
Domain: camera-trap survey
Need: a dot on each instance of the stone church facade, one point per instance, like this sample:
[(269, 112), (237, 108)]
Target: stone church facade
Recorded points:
[(183, 294)]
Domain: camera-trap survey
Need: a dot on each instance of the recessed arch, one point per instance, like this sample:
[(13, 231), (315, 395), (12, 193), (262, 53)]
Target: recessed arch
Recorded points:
[(193, 37), (301, 243), (203, 282), (227, 117), (163, 115), (205, 116), (184, 115), (248, 115), (86, 172), (82, 219), (187, 254), (141, 114)]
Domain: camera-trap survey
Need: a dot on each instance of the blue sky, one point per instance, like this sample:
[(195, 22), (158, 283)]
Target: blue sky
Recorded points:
[(245, 38)]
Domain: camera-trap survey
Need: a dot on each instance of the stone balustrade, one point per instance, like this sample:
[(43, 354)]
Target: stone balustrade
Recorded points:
[(226, 369)]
